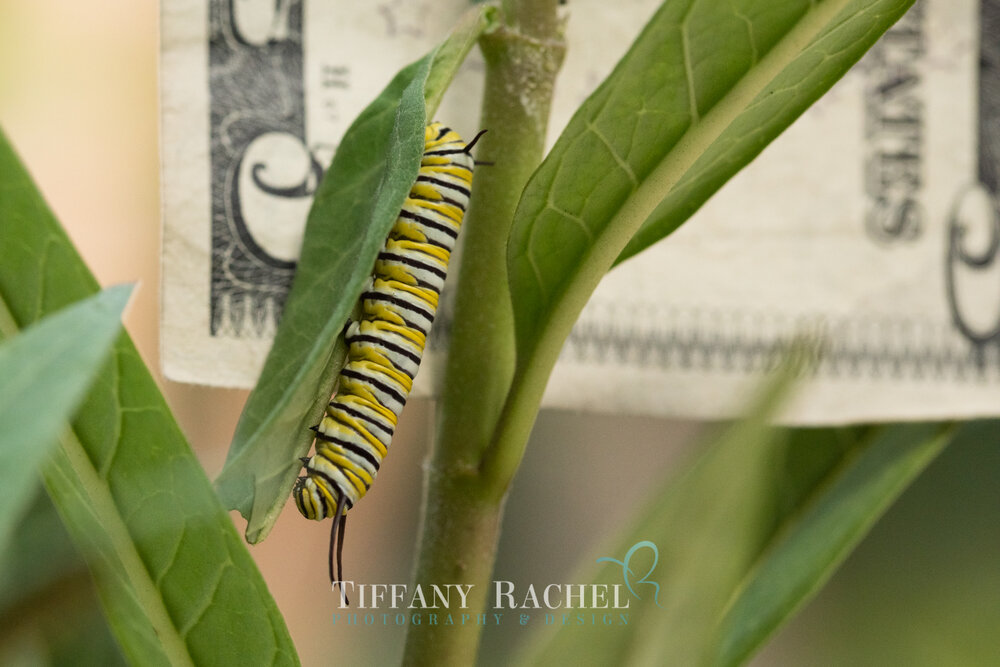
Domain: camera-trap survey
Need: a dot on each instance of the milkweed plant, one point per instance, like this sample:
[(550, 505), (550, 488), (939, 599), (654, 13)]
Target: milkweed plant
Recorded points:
[(704, 88)]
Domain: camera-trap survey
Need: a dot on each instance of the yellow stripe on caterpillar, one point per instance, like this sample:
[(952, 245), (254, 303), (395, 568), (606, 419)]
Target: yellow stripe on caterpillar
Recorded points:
[(426, 250), (360, 402)]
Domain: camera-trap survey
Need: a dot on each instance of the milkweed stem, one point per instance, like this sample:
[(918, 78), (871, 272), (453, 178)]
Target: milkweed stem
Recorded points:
[(461, 512)]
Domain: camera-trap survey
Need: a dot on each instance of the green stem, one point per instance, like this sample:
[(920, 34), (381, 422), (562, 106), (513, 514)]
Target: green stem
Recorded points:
[(502, 457), (462, 513)]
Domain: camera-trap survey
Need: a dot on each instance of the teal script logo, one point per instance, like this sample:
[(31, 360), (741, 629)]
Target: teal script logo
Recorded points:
[(629, 575)]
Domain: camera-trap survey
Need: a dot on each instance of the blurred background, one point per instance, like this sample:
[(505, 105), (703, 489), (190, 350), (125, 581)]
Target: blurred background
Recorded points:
[(78, 99)]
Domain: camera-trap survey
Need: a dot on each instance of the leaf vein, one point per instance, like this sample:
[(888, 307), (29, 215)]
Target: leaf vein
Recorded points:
[(104, 470), (754, 52), (688, 70), (625, 166), (575, 218)]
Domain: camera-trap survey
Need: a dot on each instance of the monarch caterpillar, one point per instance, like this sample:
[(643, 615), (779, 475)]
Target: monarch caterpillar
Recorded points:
[(386, 344)]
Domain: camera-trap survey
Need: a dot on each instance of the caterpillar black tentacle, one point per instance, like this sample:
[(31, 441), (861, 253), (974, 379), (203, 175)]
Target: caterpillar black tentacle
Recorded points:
[(385, 346)]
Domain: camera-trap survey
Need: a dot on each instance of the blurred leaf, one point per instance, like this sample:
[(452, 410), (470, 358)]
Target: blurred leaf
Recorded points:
[(39, 559), (357, 203), (44, 373), (55, 615), (177, 584), (47, 596), (744, 536), (809, 458), (81, 639), (708, 523), (806, 549), (921, 589), (703, 90)]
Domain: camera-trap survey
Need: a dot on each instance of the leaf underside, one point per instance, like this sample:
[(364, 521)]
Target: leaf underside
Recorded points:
[(701, 92)]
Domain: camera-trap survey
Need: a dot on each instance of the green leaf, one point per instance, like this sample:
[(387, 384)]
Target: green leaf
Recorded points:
[(701, 92), (806, 548), (177, 584), (745, 536), (357, 202), (46, 594), (708, 523), (45, 371), (450, 55), (39, 560)]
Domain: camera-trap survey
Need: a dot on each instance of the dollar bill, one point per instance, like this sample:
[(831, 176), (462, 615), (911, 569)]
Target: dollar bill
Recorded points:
[(873, 220)]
